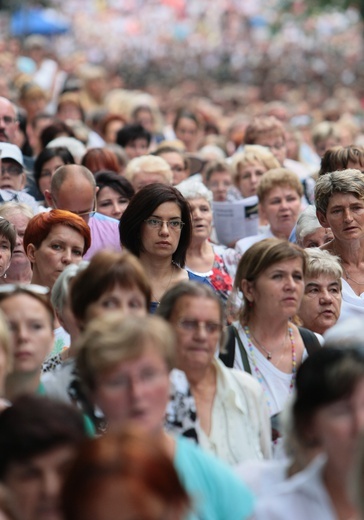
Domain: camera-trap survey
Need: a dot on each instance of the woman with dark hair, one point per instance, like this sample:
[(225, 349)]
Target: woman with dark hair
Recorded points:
[(114, 193), (56, 129), (46, 164), (54, 240), (327, 416), (188, 129), (156, 227), (96, 159)]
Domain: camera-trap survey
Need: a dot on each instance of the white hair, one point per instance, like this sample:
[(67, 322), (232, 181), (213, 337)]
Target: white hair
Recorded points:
[(148, 164), (191, 189), (307, 223), (61, 287)]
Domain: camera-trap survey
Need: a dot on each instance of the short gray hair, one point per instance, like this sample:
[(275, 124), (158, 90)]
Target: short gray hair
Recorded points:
[(61, 288), (15, 208), (307, 223), (321, 262), (148, 164), (194, 190), (345, 181)]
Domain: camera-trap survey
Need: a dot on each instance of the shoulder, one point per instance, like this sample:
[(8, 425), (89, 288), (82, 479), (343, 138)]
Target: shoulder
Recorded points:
[(240, 379), (197, 278)]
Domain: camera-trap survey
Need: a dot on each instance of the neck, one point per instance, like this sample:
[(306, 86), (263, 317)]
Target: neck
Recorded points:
[(19, 384), (200, 376), (17, 275), (336, 485), (266, 330), (157, 268), (350, 253), (199, 247)]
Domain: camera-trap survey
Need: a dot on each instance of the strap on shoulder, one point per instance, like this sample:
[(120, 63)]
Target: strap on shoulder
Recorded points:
[(310, 340)]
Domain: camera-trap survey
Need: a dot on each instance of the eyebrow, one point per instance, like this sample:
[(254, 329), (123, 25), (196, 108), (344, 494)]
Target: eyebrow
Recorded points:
[(161, 218)]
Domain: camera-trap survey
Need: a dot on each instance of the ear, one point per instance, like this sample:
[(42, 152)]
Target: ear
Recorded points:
[(48, 198), (31, 252), (23, 181), (247, 289), (322, 219)]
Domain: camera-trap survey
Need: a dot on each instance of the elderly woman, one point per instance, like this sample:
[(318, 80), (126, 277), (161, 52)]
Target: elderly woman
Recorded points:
[(53, 240), (218, 177), (110, 282), (148, 169), (156, 227), (339, 198), (248, 168), (327, 416), (321, 302), (230, 404), (216, 263), (19, 215), (7, 245), (265, 341), (124, 366), (309, 232), (113, 194), (279, 194)]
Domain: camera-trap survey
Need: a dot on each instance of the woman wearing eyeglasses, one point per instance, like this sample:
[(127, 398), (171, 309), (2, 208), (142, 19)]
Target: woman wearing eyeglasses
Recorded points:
[(233, 420), (156, 227)]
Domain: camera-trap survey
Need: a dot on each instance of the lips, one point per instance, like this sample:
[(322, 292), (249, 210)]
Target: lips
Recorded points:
[(163, 243)]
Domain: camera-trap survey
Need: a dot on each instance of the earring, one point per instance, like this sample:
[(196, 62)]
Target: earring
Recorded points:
[(5, 275)]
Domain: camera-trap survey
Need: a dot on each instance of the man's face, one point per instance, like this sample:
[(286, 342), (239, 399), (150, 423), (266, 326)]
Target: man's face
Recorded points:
[(8, 122), (36, 483), (136, 148)]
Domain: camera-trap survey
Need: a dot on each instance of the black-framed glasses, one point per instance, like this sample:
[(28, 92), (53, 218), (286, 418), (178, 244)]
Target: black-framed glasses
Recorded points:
[(81, 213), (156, 223), (189, 325), (11, 170)]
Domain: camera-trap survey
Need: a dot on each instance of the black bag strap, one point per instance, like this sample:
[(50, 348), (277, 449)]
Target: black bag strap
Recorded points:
[(229, 357), (310, 340)]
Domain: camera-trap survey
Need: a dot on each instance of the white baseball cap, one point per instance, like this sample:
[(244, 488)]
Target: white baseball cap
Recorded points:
[(11, 151)]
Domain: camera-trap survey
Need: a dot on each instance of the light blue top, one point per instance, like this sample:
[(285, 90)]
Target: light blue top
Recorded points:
[(216, 492)]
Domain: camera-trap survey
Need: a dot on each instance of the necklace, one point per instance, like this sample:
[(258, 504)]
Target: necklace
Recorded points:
[(258, 373), (268, 352), (165, 288), (349, 277)]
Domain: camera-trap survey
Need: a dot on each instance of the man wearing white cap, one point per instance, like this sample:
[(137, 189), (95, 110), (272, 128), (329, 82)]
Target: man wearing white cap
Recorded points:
[(13, 177)]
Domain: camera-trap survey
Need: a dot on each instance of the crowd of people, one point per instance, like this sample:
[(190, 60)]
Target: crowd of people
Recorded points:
[(181, 296)]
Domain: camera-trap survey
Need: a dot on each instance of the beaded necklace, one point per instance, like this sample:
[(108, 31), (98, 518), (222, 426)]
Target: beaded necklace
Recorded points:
[(258, 372)]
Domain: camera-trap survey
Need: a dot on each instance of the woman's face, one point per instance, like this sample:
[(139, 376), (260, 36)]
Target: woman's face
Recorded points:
[(177, 165), (187, 131), (337, 426), (135, 390), (197, 323), (278, 291), (201, 218), (345, 213), (129, 301), (111, 203), (162, 240), (47, 172), (111, 130), (31, 330), (249, 178), (281, 207), (219, 183), (63, 246), (5, 255)]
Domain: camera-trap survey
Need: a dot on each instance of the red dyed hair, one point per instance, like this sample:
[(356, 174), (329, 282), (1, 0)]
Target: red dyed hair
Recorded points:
[(41, 224), (97, 159)]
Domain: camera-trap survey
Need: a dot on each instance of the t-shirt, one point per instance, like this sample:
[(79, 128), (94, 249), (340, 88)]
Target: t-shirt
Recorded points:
[(217, 494)]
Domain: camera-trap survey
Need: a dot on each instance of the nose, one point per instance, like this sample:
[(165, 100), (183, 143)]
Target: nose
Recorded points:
[(22, 333), (67, 256), (116, 209), (347, 215), (164, 229), (51, 484), (135, 388), (325, 297)]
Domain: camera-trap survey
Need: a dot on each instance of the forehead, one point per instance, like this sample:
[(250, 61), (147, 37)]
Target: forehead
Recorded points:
[(220, 175), (322, 279), (6, 108), (281, 191), (167, 208), (343, 199), (22, 302), (198, 307), (289, 264), (269, 137), (172, 157)]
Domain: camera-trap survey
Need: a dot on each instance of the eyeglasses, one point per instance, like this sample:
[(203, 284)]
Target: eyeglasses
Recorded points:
[(147, 377), (211, 327), (8, 120), (156, 223), (31, 287), (81, 213), (13, 171)]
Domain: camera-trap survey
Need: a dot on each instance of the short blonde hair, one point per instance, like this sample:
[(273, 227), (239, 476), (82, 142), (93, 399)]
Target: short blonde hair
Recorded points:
[(321, 262), (253, 154), (148, 164), (109, 340), (278, 177)]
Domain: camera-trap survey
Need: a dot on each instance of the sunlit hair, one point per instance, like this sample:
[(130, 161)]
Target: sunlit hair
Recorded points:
[(338, 158), (250, 155), (278, 177), (324, 130), (263, 125), (258, 258), (106, 270), (307, 223), (131, 472), (109, 340), (347, 182), (41, 225), (148, 164), (320, 262)]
